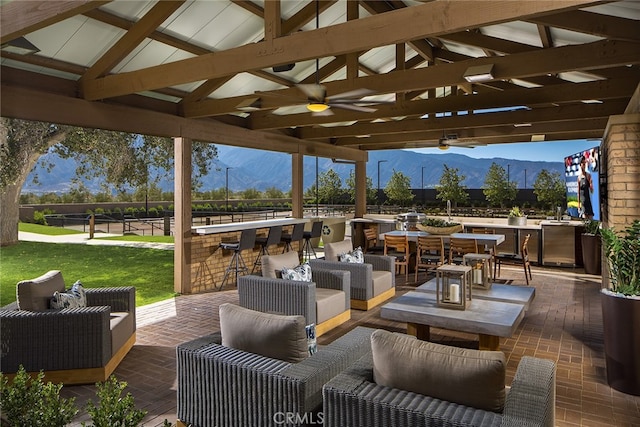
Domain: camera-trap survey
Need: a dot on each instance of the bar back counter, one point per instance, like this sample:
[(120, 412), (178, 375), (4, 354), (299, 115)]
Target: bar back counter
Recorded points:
[(209, 262)]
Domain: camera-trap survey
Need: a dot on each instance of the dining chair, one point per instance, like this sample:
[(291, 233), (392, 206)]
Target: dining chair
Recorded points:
[(458, 247), (430, 253), (398, 247), (491, 249), (371, 244), (516, 259)]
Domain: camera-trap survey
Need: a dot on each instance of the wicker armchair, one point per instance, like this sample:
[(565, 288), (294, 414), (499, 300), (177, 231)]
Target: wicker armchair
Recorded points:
[(372, 283), (354, 399), (221, 386), (325, 301), (73, 345)]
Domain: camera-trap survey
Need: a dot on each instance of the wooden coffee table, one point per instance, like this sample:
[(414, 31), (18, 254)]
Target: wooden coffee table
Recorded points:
[(489, 319), (498, 292)]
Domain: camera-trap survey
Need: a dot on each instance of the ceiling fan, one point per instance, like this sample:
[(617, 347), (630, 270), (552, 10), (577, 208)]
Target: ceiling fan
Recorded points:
[(320, 104), (451, 140)]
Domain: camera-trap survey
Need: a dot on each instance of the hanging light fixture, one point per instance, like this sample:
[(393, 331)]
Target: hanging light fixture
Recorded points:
[(317, 107)]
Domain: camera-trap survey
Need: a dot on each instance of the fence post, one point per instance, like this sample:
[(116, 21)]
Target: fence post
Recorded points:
[(92, 225), (167, 225)]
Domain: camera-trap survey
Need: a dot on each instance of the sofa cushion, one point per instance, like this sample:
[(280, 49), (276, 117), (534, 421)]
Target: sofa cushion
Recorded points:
[(382, 281), (468, 377), (300, 273), (272, 265), (329, 303), (271, 335), (73, 298), (35, 294), (332, 251), (122, 327), (355, 256)]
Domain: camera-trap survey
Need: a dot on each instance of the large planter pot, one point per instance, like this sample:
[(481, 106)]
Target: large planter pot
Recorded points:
[(621, 318), (591, 253), (440, 230), (520, 221)]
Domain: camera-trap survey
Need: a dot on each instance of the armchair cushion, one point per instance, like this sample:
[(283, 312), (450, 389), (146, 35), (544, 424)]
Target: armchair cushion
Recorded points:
[(272, 265), (271, 335), (382, 281), (468, 377), (35, 294), (332, 251)]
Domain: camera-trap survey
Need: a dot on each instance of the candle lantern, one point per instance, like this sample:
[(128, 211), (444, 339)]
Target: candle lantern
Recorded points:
[(453, 286), (481, 272)]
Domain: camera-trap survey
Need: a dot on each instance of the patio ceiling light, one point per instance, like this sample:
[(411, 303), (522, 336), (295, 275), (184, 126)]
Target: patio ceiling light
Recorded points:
[(479, 73), (443, 146), (317, 107), (19, 46)]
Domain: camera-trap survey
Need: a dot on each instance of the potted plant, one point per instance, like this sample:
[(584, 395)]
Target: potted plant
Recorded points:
[(591, 247), (621, 308), (516, 217), (439, 226)]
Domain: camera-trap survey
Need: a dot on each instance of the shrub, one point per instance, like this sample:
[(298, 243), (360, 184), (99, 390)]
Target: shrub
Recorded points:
[(28, 402), (113, 409), (153, 212), (38, 218)]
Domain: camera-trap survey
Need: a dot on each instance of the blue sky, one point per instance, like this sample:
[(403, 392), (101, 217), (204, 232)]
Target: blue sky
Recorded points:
[(549, 151)]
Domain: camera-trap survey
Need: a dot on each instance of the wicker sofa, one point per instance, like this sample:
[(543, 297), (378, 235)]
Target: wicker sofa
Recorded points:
[(73, 345), (325, 301), (355, 398), (222, 386), (372, 282)]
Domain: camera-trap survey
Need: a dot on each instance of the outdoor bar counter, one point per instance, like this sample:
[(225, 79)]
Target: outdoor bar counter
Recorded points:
[(209, 262)]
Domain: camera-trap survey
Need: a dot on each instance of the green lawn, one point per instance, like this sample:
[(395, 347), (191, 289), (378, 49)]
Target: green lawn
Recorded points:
[(149, 270), (45, 229), (136, 238)]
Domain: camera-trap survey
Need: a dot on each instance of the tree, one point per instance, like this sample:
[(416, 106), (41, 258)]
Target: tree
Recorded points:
[(549, 188), (451, 188), (398, 189), (120, 159), (497, 189), (251, 194), (274, 193), (329, 187), (351, 188)]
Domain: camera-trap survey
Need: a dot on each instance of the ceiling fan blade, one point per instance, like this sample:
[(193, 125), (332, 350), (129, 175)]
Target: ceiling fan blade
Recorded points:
[(313, 91), (356, 93), (359, 108), (324, 113)]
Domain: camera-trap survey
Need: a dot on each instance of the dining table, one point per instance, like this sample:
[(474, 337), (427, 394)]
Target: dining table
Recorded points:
[(481, 239)]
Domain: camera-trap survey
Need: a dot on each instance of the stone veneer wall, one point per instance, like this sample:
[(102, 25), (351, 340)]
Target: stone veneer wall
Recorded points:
[(208, 263), (621, 153)]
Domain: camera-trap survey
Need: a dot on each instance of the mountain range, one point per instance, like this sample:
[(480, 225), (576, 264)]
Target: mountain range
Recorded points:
[(264, 169)]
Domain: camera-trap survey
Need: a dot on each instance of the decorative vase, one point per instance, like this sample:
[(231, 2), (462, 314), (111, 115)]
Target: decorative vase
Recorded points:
[(621, 319), (591, 253), (440, 230)]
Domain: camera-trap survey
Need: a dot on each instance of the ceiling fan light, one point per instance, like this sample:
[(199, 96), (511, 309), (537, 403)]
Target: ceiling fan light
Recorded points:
[(317, 107), (479, 73), (443, 146)]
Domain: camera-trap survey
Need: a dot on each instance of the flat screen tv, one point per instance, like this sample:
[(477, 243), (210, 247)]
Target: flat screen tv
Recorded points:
[(583, 195)]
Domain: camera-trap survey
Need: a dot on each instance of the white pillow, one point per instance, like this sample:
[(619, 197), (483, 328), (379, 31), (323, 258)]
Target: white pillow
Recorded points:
[(355, 256), (73, 298), (301, 273)]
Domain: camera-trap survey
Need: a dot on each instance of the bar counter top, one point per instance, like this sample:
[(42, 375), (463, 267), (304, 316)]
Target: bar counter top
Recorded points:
[(239, 226)]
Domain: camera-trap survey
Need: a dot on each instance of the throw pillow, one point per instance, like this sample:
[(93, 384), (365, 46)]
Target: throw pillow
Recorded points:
[(270, 335), (312, 343), (301, 273), (355, 256), (467, 377), (73, 298)]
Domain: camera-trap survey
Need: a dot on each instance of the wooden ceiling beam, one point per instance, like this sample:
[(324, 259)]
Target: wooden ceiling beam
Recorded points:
[(378, 30), (548, 114), (596, 24), (132, 38), (569, 92), (18, 18)]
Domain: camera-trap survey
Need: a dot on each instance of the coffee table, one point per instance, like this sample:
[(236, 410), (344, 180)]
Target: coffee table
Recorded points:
[(489, 319), (498, 292)]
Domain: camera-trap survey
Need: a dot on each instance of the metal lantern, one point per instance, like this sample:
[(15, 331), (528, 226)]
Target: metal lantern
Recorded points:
[(453, 286), (480, 270)]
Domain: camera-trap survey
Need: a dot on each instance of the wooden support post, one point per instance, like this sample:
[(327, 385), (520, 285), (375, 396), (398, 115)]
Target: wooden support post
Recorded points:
[(182, 235)]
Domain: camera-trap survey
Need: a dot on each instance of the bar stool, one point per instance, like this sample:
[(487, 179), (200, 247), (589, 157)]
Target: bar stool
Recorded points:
[(296, 235), (272, 238), (307, 248), (237, 264)]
